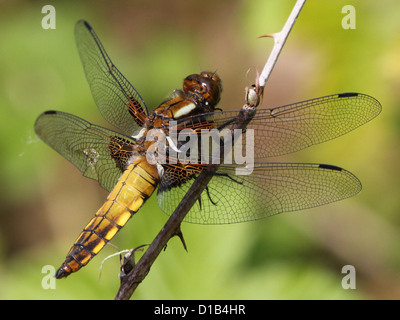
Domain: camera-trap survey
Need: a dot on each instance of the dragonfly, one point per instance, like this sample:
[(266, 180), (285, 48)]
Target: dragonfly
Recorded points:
[(118, 161)]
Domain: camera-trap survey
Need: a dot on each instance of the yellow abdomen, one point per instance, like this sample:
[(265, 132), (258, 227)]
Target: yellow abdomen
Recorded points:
[(135, 186)]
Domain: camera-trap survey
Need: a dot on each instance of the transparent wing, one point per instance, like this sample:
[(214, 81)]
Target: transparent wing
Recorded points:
[(99, 153), (118, 101), (272, 188), (293, 127)]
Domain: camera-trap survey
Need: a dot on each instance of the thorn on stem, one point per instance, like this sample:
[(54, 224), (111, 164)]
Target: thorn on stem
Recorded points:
[(180, 235), (268, 35)]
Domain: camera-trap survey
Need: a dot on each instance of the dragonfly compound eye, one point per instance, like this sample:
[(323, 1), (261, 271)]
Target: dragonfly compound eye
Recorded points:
[(207, 84)]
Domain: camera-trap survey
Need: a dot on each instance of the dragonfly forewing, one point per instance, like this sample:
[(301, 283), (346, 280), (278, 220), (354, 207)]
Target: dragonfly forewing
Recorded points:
[(118, 101), (290, 128)]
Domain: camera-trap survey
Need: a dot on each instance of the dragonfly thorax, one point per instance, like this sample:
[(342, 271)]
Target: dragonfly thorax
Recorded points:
[(200, 94)]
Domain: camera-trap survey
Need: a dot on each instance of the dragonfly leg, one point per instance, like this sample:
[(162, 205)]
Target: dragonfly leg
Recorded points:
[(225, 175)]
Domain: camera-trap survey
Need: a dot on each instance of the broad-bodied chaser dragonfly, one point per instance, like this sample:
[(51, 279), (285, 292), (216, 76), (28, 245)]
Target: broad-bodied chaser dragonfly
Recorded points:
[(119, 163)]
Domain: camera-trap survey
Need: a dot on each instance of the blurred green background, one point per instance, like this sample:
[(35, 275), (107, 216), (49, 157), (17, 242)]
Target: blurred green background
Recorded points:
[(45, 202)]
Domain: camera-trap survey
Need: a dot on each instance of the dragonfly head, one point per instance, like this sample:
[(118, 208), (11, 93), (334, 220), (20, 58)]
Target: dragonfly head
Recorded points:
[(206, 84)]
